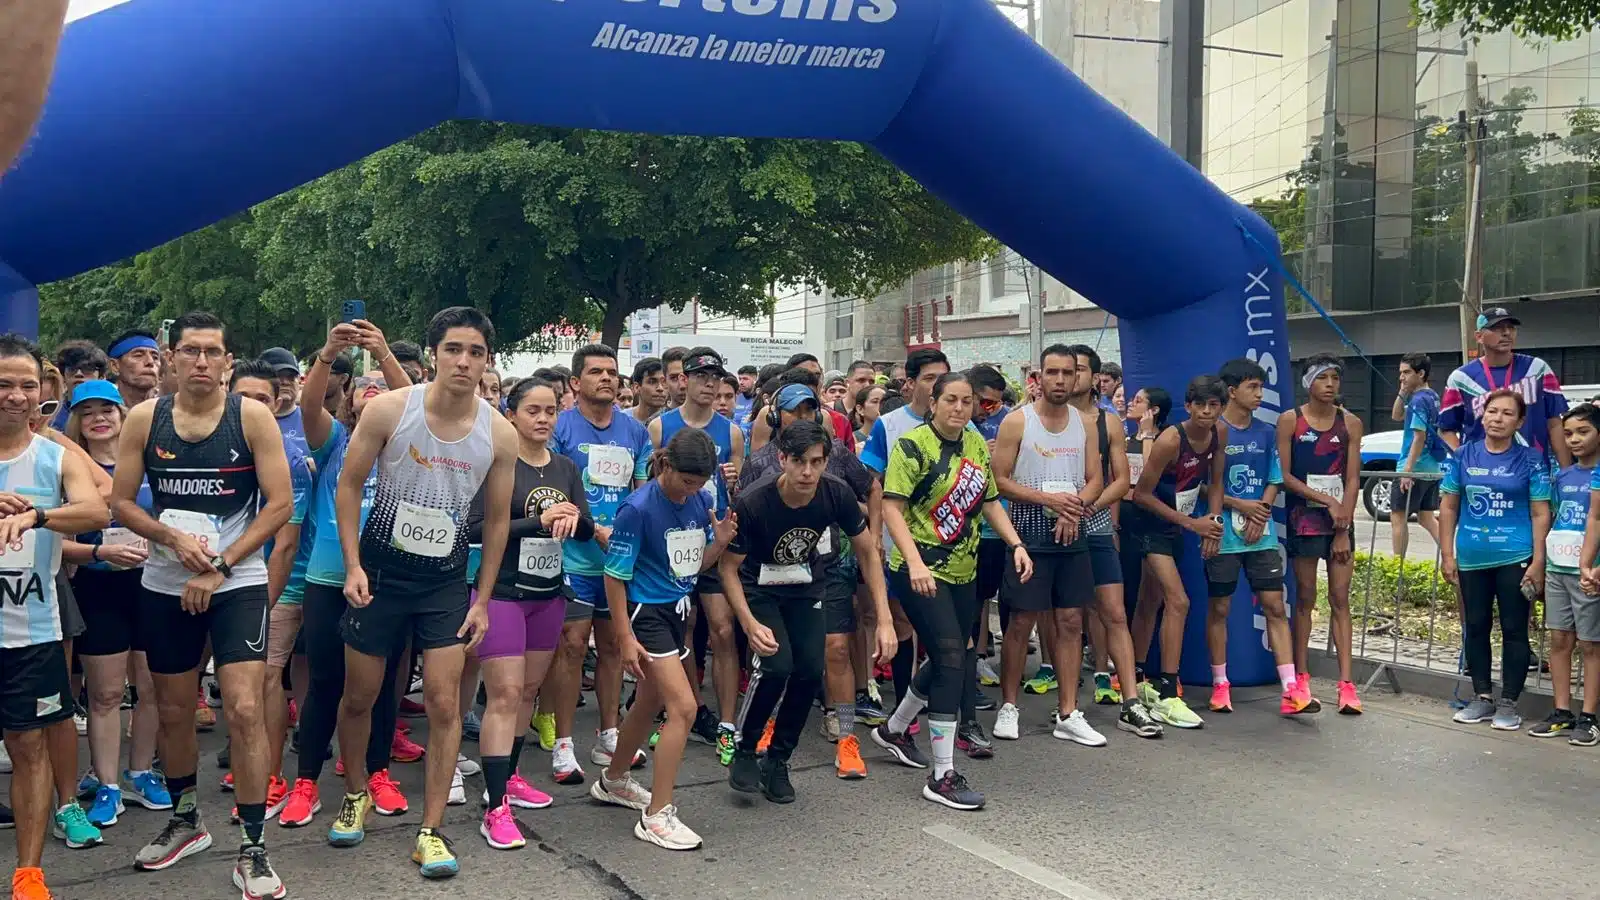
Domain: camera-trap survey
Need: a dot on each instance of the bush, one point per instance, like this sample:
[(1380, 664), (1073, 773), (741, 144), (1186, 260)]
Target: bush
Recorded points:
[(1421, 582)]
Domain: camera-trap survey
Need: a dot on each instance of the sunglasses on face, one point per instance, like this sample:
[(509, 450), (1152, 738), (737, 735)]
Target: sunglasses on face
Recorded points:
[(989, 405), (49, 407)]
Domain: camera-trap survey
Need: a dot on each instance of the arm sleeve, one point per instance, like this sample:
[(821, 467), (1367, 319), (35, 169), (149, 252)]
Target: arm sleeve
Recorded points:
[(623, 551)]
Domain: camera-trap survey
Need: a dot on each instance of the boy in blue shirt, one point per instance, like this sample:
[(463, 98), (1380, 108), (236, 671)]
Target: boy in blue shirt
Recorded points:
[(1571, 614)]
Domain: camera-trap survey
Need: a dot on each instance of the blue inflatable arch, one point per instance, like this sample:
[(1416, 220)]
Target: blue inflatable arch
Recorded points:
[(167, 115)]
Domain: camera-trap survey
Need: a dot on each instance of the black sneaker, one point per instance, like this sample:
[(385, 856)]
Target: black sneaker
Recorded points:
[(952, 791), (705, 727), (903, 747), (983, 701), (1135, 719), (1559, 722), (225, 756), (775, 783), (971, 740), (1586, 733), (744, 773), (868, 711)]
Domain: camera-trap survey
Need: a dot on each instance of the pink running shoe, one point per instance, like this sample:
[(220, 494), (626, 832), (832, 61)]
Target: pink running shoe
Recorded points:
[(1302, 683), (404, 749), (500, 828), (522, 794), (1221, 698), (1349, 703)]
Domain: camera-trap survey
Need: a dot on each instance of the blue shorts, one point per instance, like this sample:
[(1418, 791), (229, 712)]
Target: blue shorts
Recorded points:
[(589, 590)]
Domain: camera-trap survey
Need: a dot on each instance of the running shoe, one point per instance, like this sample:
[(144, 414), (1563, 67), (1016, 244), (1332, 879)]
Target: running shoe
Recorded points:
[(204, 718), (522, 794), (664, 830), (80, 719), (903, 747), (72, 826), (411, 709), (1302, 681), (983, 702), (471, 725), (28, 884), (744, 772), (847, 761), (1586, 733), (1559, 722), (1478, 709), (874, 693), (564, 768), (147, 789), (1298, 701), (775, 783), (869, 711), (1506, 717), (302, 804), (294, 713), (829, 727), (277, 794), (253, 875), (88, 785), (1221, 697), (725, 745), (1136, 719), (8, 819), (458, 790), (544, 724), (655, 733), (499, 827), (1005, 723), (404, 750), (766, 739), (107, 806), (1349, 702), (178, 838), (468, 766), (350, 826), (1074, 727), (227, 783), (705, 726), (1173, 711), (601, 756), (971, 740), (213, 688), (952, 791), (434, 855), (626, 792), (6, 766), (1043, 681), (1147, 694), (987, 676), (387, 800), (338, 766), (1104, 693)]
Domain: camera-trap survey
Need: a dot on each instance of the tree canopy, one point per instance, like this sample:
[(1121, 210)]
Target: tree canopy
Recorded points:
[(536, 226), (1552, 19)]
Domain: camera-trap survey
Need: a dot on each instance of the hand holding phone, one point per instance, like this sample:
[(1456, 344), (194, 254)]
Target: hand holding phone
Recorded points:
[(353, 310)]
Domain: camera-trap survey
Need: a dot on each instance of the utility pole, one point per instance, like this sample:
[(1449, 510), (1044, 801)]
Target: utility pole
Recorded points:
[(1472, 276)]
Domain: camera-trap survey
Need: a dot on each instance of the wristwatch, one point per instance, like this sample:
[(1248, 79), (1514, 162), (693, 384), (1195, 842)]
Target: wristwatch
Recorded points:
[(221, 565), (40, 519), (1015, 547), (1217, 518)]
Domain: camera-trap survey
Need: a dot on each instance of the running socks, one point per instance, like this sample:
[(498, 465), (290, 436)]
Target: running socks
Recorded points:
[(910, 707), (942, 730), (516, 752), (1167, 685), (496, 772), (846, 714), (187, 806), (1219, 674), (252, 820), (1287, 676)]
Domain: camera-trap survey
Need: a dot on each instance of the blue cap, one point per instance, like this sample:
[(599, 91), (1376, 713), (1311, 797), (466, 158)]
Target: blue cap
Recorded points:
[(792, 395), (97, 389)]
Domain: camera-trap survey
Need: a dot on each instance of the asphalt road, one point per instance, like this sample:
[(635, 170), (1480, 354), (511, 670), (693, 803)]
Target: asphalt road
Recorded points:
[(1398, 803)]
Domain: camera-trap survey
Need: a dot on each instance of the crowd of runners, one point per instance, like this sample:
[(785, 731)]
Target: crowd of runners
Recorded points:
[(708, 554)]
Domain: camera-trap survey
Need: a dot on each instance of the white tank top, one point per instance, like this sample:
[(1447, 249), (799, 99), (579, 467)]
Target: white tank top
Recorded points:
[(28, 612), (1051, 462), (417, 529)]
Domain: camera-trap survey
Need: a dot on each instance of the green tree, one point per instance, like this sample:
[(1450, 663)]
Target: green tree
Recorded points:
[(1552, 19)]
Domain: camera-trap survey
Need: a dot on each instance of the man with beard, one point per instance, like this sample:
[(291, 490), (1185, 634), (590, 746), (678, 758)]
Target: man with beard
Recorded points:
[(746, 396)]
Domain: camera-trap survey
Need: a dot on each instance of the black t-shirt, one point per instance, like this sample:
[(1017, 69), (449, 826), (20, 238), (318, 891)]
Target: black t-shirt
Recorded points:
[(843, 464), (531, 567), (779, 542)]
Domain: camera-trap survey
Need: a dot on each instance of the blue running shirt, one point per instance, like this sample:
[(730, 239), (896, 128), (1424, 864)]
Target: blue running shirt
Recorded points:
[(325, 560), (1495, 527), (720, 430), (1252, 465), (1422, 424), (657, 545), (611, 460), (1569, 513)]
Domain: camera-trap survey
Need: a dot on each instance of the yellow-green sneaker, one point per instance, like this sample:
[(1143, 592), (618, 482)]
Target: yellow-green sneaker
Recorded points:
[(1043, 682), (434, 856), (350, 826), (544, 724), (1104, 693), (1148, 695), (1173, 711), (725, 746)]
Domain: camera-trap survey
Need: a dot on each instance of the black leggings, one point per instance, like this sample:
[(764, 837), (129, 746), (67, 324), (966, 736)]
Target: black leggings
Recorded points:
[(1480, 589), (798, 627), (325, 659), (943, 623)]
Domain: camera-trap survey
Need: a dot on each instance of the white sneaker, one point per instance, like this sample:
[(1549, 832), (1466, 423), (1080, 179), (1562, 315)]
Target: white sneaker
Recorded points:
[(5, 761), (80, 722), (466, 765), (458, 790), (1005, 722), (601, 757), (626, 792), (1076, 728), (664, 830)]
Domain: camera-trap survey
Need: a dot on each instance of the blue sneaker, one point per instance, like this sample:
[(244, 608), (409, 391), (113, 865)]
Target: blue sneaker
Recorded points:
[(88, 785), (106, 807), (147, 789)]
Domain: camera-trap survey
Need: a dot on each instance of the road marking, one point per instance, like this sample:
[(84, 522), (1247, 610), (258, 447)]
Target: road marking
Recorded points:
[(1016, 865)]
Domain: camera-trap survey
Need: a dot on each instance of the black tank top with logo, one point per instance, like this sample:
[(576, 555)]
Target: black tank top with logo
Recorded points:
[(215, 475)]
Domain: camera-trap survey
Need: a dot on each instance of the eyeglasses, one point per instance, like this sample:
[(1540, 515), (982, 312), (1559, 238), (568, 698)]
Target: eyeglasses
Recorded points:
[(212, 354), (49, 407)]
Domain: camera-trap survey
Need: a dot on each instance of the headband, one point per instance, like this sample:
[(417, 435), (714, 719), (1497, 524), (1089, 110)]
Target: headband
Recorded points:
[(1315, 372), (132, 342)]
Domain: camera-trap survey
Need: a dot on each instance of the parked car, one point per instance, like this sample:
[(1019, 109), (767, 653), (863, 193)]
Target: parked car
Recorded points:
[(1380, 452)]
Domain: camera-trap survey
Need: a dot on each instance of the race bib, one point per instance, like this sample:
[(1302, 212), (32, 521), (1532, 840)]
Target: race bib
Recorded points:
[(197, 525), (1564, 548), (539, 558), (1135, 467), (1332, 485), (686, 547), (1240, 522), (423, 531), (1057, 487), (119, 537), (1186, 501), (825, 543), (610, 466), (775, 575), (19, 553)]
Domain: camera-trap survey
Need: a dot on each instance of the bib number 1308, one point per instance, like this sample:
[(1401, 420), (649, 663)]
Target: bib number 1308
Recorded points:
[(423, 531)]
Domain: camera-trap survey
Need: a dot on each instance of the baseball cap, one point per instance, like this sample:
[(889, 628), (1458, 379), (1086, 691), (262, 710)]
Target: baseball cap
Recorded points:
[(705, 362), (96, 390), (833, 377), (281, 360), (792, 395), (1494, 315)]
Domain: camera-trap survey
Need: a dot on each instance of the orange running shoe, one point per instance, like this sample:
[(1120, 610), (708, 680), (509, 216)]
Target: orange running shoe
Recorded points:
[(277, 794), (302, 803), (204, 718), (1297, 701), (28, 884), (1349, 703), (1302, 681), (766, 739), (847, 759), (1221, 698), (404, 750), (227, 782), (386, 797)]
